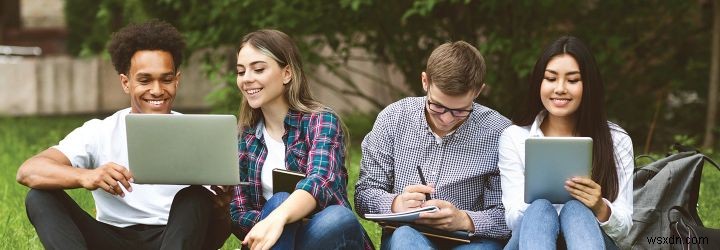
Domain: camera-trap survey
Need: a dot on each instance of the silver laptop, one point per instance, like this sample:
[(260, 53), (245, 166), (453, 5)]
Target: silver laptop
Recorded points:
[(550, 161), (183, 149)]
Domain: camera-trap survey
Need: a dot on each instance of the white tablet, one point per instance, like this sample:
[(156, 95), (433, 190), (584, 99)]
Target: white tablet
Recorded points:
[(550, 161)]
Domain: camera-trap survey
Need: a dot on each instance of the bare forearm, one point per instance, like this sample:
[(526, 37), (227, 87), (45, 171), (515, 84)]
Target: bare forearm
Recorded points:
[(297, 206), (44, 173)]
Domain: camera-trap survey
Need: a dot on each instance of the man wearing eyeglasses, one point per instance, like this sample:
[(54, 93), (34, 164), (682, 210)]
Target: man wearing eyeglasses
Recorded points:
[(442, 144)]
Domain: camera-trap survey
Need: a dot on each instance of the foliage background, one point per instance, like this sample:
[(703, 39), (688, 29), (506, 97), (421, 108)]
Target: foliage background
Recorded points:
[(653, 54)]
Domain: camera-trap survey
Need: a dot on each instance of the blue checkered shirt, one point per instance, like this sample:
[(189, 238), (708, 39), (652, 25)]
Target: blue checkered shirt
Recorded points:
[(462, 165)]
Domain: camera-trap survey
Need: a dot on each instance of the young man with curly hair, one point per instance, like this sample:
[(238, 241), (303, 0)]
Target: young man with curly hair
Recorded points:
[(94, 157)]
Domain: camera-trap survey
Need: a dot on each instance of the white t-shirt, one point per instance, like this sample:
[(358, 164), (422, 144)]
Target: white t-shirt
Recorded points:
[(275, 159), (99, 142)]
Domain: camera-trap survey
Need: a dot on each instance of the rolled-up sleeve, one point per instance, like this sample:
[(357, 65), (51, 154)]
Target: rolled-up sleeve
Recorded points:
[(326, 175), (242, 217)]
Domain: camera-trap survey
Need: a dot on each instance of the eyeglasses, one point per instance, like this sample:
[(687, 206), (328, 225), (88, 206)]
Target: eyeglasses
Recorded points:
[(439, 109)]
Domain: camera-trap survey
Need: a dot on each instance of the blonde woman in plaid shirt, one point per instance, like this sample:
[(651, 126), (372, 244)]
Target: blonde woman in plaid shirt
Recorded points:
[(282, 126)]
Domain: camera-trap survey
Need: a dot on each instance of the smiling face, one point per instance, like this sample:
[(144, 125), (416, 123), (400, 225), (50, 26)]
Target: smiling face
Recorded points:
[(562, 87), (151, 82), (260, 78)]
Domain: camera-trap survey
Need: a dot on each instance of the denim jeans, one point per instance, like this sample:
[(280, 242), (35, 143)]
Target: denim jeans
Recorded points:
[(541, 227), (406, 237), (334, 227)]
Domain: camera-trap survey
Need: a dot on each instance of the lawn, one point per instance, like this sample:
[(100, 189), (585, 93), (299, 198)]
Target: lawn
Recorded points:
[(21, 138)]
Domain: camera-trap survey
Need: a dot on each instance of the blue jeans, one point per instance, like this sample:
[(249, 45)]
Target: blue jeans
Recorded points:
[(406, 237), (334, 227), (541, 227)]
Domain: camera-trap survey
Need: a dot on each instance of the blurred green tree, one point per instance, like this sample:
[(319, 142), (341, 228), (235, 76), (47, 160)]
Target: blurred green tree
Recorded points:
[(652, 54), (714, 84)]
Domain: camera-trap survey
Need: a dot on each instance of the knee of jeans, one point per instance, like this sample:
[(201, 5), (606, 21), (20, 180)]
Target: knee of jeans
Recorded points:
[(541, 205), (276, 200), (541, 202), (401, 237), (574, 204), (574, 207), (338, 216), (404, 232)]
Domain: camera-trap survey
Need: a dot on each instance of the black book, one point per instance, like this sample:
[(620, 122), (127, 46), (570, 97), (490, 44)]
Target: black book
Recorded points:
[(285, 180)]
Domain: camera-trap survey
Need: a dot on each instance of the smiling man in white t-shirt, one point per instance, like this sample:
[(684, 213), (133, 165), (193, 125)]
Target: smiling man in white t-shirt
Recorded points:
[(94, 156)]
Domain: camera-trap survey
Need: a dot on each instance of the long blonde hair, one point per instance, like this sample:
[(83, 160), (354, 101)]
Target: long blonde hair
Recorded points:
[(281, 48)]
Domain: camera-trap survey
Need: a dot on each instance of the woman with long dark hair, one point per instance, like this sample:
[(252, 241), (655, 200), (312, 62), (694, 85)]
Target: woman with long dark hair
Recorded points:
[(566, 99)]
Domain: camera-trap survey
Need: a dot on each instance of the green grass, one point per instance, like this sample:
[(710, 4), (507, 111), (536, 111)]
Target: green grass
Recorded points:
[(710, 196), (21, 138)]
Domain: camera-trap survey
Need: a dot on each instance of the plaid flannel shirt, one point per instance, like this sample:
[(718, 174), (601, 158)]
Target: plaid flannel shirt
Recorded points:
[(313, 145), (462, 166)]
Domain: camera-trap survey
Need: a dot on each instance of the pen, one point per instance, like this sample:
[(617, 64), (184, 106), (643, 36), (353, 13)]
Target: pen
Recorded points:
[(422, 181)]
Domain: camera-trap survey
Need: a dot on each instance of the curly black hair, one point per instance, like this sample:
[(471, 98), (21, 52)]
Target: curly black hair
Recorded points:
[(150, 35)]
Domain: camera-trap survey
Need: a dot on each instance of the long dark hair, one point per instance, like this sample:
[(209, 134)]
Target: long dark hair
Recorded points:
[(591, 117)]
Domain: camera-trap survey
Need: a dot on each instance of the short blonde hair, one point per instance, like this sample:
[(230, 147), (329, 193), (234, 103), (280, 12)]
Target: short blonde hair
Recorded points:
[(456, 68)]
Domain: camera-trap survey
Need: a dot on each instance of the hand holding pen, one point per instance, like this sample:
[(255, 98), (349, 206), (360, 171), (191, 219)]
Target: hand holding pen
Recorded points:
[(412, 197), (422, 181)]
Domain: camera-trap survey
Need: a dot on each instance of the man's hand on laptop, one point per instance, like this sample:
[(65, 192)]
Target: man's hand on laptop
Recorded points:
[(107, 177), (221, 200)]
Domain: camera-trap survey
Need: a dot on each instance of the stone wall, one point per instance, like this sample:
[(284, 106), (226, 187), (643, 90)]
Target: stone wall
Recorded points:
[(42, 13), (57, 85), (64, 85)]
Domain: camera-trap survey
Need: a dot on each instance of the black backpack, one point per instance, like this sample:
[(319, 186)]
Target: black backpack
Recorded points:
[(691, 234), (669, 183)]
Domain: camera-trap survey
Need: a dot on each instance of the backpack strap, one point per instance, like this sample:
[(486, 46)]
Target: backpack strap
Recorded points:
[(682, 148), (708, 160), (682, 225), (649, 157)]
